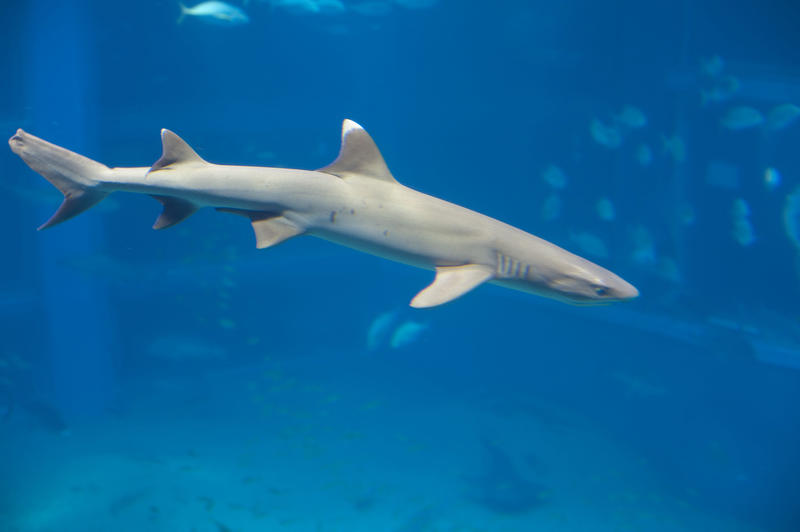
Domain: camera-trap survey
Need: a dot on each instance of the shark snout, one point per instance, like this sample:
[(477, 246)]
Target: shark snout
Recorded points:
[(610, 287), (623, 290)]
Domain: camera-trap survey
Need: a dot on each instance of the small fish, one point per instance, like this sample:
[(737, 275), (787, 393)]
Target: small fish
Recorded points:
[(590, 244), (742, 117), (215, 12), (297, 7), (331, 7), (644, 155), (743, 232), (644, 248), (712, 66), (554, 176), (667, 268), (631, 117), (551, 208), (372, 8), (607, 136), (740, 208), (407, 333), (379, 329), (791, 217), (675, 147), (782, 116), (720, 92), (772, 178), (178, 348), (605, 209), (417, 4)]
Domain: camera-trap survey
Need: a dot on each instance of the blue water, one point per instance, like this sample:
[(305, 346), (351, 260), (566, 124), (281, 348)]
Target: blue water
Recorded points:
[(182, 380)]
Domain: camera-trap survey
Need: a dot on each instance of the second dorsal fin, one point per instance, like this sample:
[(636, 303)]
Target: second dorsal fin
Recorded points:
[(175, 152), (358, 156)]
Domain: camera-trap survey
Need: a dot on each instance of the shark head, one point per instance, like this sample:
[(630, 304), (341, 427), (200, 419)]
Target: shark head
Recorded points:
[(589, 284), (542, 268)]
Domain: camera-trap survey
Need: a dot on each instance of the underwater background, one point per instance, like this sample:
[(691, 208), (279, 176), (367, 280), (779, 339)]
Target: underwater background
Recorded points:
[(182, 380)]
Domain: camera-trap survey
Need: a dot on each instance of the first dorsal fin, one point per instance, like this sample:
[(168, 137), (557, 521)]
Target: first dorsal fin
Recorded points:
[(175, 151), (358, 156)]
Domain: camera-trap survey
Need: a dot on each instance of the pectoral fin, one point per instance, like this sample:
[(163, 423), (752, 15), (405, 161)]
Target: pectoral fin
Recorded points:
[(452, 282)]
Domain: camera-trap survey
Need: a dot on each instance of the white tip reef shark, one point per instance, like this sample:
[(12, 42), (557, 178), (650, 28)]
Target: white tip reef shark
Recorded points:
[(354, 201)]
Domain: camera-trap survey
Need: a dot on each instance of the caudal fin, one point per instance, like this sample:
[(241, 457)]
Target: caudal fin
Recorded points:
[(184, 12), (77, 177)]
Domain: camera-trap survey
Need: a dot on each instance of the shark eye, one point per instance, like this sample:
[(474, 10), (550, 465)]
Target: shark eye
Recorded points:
[(601, 290)]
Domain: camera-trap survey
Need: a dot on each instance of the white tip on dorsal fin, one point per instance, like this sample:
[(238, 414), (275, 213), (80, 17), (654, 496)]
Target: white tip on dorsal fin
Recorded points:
[(452, 282), (358, 156), (175, 151)]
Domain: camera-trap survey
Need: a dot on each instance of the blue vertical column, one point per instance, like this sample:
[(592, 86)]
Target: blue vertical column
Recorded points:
[(60, 92)]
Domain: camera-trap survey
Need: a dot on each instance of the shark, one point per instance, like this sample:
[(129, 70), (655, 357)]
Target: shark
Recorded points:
[(355, 201)]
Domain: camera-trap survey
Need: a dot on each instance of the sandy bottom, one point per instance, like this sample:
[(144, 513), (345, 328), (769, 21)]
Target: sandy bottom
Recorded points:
[(278, 447)]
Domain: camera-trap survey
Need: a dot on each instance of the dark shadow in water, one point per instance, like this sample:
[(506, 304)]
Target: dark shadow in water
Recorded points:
[(500, 487)]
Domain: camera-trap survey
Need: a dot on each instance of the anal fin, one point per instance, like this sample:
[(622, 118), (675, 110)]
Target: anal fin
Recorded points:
[(450, 283), (175, 210)]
